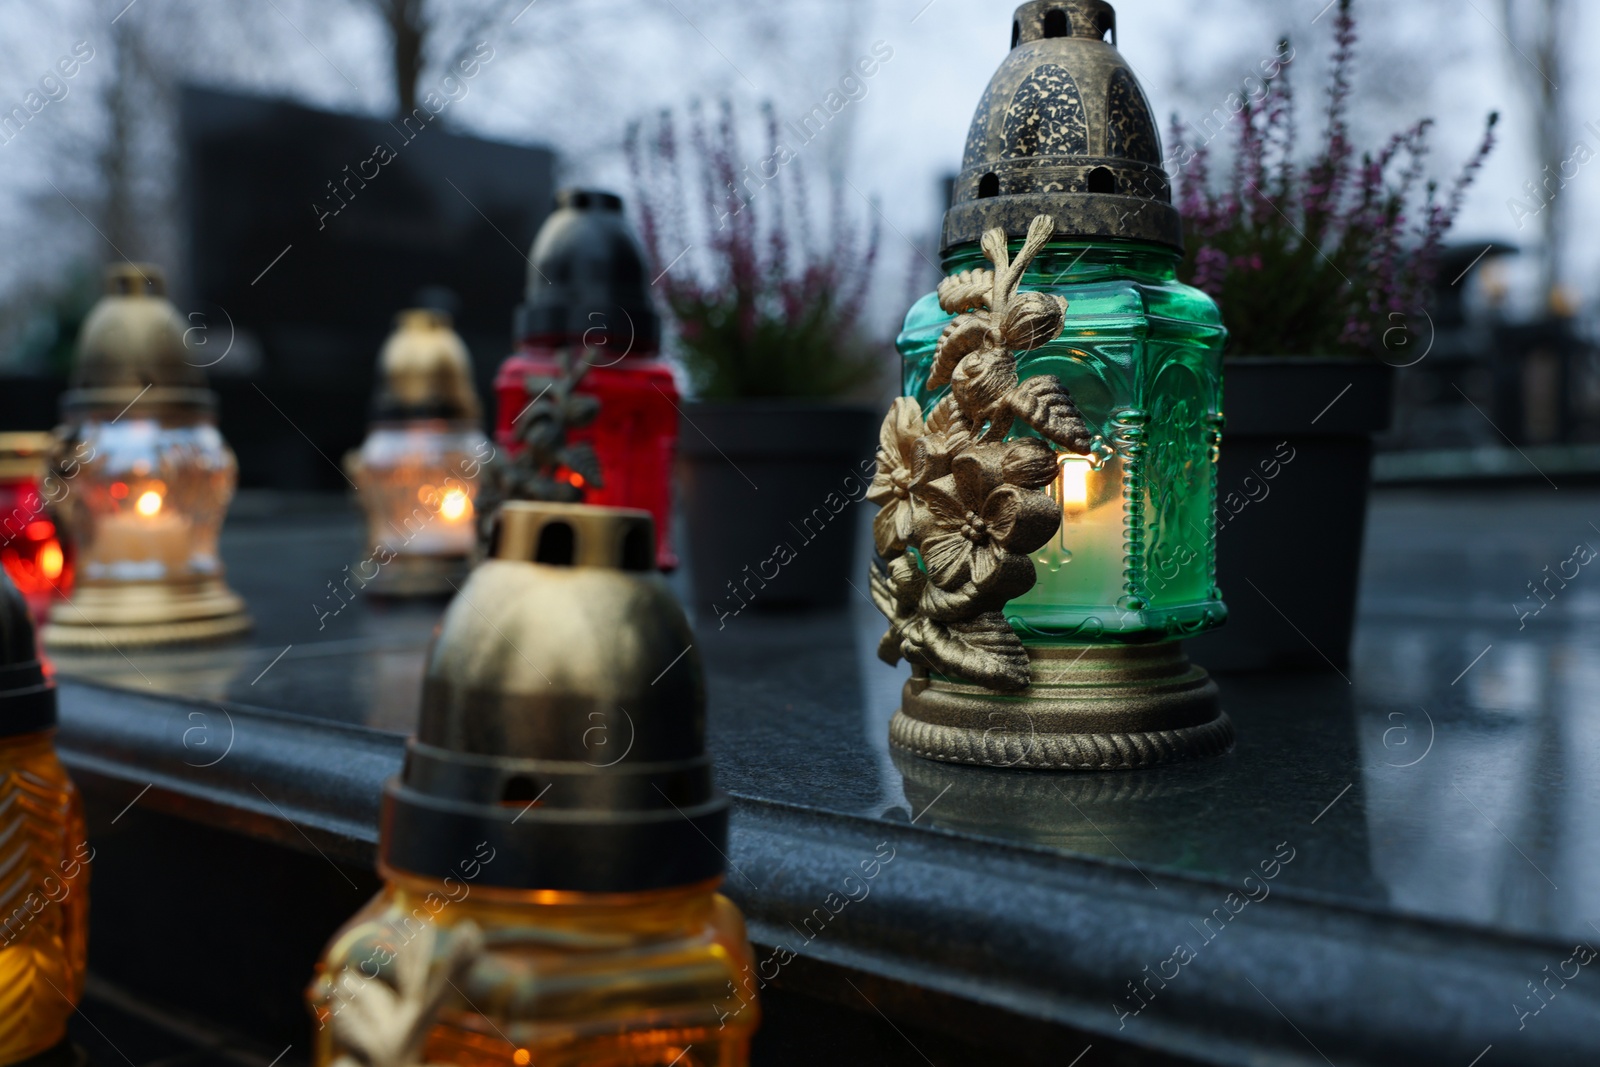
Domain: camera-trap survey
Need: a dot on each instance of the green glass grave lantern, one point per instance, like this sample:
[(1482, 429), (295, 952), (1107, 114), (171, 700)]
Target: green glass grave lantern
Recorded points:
[(1061, 324)]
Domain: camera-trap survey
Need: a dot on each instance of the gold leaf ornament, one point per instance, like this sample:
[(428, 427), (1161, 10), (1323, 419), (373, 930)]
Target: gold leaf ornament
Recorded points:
[(386, 1023), (961, 509)]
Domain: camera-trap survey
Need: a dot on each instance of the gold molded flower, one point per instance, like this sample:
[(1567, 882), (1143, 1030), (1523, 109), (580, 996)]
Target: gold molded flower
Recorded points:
[(891, 484)]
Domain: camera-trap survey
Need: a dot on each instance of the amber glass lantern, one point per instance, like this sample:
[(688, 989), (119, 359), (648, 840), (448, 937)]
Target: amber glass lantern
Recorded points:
[(552, 849), (146, 479), (32, 550), (418, 470), (44, 858)]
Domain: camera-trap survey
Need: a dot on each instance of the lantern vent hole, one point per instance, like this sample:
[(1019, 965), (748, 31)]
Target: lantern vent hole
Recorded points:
[(1108, 28), (1101, 180), (637, 554), (1055, 23), (556, 544), (520, 789), (988, 185), (1016, 32)]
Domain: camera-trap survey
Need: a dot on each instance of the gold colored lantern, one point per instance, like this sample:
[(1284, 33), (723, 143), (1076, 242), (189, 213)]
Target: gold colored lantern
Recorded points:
[(145, 478), (418, 470)]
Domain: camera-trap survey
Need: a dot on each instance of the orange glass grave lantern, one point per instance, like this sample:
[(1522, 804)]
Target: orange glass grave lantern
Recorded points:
[(44, 857), (552, 849)]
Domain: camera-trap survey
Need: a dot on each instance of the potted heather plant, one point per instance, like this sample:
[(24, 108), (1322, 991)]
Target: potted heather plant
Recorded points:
[(1323, 269), (767, 307)]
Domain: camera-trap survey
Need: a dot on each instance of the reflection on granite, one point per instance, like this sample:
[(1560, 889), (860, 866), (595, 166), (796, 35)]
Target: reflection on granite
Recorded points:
[(1494, 823), (319, 647), (1452, 774)]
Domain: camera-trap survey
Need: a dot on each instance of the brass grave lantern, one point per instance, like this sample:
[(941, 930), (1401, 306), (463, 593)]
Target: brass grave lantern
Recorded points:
[(418, 470), (146, 478)]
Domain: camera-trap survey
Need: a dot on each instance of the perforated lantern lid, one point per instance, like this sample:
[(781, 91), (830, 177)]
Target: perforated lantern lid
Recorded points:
[(27, 696), (1064, 130), (563, 720)]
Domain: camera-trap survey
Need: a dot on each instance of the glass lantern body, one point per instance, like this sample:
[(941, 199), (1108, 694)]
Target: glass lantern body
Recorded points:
[(38, 559), (44, 897), (567, 979), (1141, 354), (418, 481), (635, 436), (146, 495)]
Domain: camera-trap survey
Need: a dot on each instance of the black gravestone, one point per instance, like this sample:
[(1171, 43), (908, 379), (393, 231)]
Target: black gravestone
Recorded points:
[(308, 230)]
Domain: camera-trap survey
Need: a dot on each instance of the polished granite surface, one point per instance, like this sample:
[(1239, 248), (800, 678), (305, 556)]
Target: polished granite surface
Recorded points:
[(1450, 773)]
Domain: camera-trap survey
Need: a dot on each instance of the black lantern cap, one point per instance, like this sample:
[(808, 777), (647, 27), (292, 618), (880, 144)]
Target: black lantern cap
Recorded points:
[(27, 697), (586, 279), (563, 720), (1064, 130)]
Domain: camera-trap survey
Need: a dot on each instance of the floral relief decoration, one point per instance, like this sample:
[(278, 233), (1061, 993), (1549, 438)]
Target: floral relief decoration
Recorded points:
[(961, 507)]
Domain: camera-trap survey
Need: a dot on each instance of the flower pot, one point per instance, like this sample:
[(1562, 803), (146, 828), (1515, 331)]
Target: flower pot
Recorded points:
[(1291, 509), (769, 490)]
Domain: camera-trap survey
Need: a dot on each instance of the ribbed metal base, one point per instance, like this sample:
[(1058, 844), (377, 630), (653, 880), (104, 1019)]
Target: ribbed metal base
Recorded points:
[(107, 615), (1115, 707)]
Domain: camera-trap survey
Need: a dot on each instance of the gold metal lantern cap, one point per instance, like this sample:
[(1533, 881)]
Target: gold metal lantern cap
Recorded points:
[(146, 479), (1063, 130), (131, 345), (425, 371), (563, 673)]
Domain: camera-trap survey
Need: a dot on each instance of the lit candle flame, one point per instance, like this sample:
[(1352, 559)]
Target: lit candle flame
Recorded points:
[(51, 561), (455, 506), (148, 504), (1074, 481)]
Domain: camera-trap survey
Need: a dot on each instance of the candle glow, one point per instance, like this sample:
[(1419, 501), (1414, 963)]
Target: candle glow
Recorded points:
[(455, 506), (1074, 481)]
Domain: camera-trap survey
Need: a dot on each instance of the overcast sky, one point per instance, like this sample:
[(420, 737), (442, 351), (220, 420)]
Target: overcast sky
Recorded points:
[(572, 73)]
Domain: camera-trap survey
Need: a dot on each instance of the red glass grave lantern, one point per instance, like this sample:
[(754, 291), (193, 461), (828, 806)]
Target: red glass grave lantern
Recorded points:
[(587, 295), (33, 551)]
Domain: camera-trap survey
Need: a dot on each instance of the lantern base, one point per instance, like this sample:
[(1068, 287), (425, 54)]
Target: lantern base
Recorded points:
[(420, 576), (1090, 708), (111, 615)]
